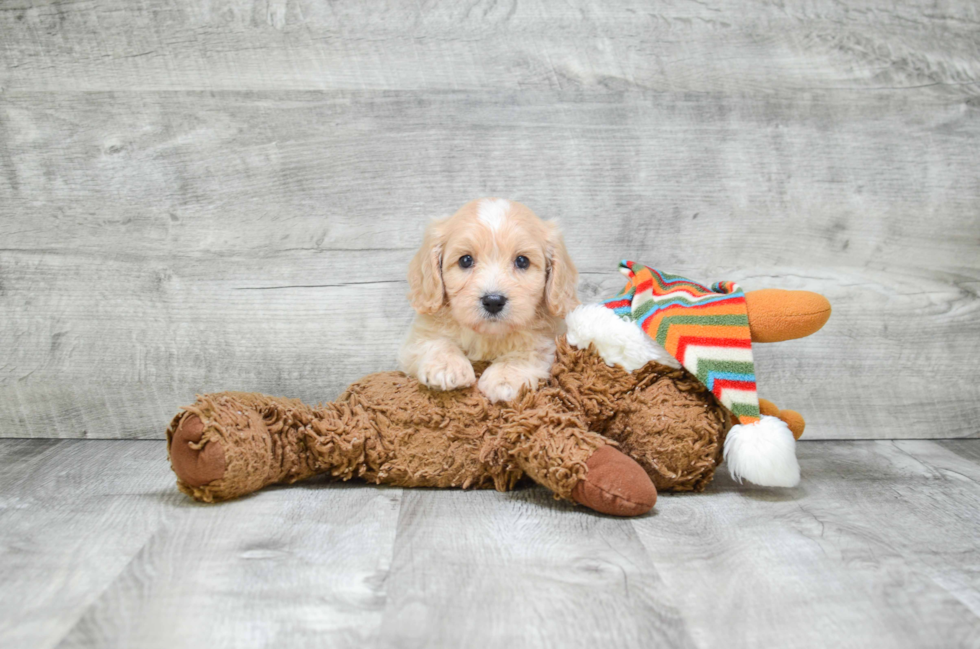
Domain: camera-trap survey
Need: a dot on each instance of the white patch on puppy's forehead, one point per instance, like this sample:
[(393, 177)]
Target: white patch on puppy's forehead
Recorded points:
[(492, 212)]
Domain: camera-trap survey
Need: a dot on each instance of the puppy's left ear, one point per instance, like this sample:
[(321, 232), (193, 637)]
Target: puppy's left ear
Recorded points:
[(560, 293), (426, 291)]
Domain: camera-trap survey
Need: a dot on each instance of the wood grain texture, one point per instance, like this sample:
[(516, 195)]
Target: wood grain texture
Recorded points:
[(521, 569), (876, 548), (860, 553), (99, 549), (684, 46), (226, 196)]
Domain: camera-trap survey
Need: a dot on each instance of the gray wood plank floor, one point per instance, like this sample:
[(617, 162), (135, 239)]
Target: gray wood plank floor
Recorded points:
[(877, 548)]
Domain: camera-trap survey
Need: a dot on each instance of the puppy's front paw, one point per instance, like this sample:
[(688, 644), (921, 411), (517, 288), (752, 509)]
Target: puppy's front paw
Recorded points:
[(447, 372), (502, 383)]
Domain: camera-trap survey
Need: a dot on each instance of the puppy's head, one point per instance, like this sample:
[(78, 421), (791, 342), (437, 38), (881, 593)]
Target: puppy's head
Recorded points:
[(495, 265)]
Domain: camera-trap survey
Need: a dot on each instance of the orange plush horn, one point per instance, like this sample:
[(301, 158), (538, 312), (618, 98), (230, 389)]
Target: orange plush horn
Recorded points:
[(776, 315)]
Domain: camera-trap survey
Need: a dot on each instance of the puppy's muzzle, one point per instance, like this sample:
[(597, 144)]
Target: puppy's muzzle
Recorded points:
[(493, 303)]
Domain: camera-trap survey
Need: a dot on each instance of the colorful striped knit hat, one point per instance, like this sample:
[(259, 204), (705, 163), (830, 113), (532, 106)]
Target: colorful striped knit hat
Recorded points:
[(706, 330)]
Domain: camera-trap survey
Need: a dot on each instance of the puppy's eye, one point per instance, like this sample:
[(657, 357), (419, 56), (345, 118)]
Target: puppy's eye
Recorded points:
[(522, 262), (465, 261)]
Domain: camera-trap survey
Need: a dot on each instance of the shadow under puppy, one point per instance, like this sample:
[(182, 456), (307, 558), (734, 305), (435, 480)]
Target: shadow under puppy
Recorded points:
[(490, 283)]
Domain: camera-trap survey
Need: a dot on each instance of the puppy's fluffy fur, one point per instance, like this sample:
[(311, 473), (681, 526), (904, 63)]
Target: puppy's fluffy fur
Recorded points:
[(454, 325)]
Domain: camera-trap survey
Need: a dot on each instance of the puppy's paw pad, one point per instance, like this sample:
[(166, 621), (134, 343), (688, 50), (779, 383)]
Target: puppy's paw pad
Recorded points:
[(499, 392), (447, 373), (499, 384)]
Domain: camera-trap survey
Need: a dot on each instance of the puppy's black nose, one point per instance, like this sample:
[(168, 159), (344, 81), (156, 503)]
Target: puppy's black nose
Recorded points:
[(493, 303)]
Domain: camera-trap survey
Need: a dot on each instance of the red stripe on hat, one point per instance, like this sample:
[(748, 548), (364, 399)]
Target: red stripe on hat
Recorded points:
[(729, 343), (695, 307), (726, 384)]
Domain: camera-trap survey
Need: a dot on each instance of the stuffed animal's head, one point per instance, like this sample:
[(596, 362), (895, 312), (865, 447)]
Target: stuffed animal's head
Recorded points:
[(762, 452)]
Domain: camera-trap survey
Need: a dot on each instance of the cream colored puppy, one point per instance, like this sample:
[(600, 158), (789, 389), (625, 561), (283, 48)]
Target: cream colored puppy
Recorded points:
[(490, 283)]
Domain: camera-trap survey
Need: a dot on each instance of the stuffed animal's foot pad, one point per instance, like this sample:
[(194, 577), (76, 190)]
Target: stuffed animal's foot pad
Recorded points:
[(615, 484), (195, 465), (447, 372)]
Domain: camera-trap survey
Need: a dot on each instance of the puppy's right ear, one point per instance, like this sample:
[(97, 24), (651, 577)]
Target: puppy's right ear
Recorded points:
[(559, 293), (425, 289)]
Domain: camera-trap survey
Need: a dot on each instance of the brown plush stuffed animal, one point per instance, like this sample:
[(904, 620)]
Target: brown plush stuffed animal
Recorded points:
[(595, 434)]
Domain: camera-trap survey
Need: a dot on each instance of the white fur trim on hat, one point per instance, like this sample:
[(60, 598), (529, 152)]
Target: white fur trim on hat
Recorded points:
[(763, 453), (618, 341)]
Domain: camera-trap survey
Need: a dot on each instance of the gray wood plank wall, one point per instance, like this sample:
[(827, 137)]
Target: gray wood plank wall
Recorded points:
[(225, 195)]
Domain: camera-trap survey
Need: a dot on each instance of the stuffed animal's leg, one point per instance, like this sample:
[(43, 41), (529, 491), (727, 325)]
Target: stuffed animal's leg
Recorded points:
[(230, 444), (615, 484), (583, 467), (792, 419)]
